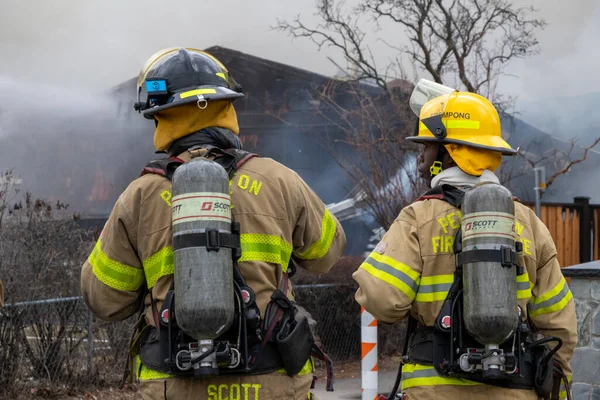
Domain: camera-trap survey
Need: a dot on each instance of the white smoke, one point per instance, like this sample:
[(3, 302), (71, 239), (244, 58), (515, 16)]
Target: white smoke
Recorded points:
[(57, 139), (59, 57)]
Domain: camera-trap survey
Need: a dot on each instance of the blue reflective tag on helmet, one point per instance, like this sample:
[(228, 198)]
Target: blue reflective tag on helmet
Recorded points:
[(156, 86)]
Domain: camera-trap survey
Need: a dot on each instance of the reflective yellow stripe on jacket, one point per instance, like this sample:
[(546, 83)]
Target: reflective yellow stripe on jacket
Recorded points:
[(436, 287), (255, 247), (158, 265), (523, 286), (426, 375), (307, 369), (397, 274), (319, 248), (145, 374), (265, 248), (554, 300), (113, 273)]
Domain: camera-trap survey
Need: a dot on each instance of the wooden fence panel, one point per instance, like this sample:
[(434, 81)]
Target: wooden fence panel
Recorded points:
[(563, 223)]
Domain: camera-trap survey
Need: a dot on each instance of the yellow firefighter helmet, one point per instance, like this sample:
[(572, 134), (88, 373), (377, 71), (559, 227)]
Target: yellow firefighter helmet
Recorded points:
[(452, 117)]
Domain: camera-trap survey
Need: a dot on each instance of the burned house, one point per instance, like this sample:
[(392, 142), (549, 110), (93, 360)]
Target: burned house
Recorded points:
[(87, 157), (279, 118)]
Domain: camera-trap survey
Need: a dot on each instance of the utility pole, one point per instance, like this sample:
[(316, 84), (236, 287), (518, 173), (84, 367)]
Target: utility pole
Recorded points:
[(540, 186)]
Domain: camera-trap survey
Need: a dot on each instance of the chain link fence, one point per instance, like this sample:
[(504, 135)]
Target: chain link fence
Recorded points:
[(58, 343), (52, 346), (55, 344), (337, 316)]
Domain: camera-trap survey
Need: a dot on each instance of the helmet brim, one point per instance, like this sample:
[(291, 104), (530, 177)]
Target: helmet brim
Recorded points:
[(507, 151), (193, 95)]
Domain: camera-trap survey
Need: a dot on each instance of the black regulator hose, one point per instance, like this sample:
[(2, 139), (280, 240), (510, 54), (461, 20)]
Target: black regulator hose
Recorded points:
[(396, 383), (411, 326)]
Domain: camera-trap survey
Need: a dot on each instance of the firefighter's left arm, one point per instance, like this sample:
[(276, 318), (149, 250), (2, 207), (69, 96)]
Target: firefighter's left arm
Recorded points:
[(552, 308), (112, 276), (318, 238), (389, 278)]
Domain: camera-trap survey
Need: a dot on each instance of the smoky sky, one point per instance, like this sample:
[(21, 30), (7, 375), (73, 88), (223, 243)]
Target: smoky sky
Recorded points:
[(97, 44), (58, 58)]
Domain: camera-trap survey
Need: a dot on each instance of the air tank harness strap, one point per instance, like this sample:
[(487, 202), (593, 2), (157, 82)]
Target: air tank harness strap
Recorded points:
[(506, 256), (318, 353), (165, 167), (448, 193), (212, 239), (230, 159)]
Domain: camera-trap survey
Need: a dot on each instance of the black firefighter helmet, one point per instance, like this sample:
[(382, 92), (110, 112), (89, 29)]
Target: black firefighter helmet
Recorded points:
[(177, 76)]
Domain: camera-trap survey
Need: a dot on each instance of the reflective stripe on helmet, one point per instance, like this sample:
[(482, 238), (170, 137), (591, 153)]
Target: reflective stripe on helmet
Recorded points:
[(265, 248), (196, 92), (113, 273), (455, 124), (319, 248)]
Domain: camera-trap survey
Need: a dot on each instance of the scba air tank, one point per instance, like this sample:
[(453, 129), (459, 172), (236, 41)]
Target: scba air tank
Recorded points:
[(204, 297), (490, 290)]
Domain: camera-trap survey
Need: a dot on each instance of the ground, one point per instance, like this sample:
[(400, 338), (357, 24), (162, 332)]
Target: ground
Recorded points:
[(343, 371)]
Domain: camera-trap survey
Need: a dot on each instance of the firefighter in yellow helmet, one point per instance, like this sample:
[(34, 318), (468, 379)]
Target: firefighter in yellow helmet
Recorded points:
[(412, 270), (282, 223)]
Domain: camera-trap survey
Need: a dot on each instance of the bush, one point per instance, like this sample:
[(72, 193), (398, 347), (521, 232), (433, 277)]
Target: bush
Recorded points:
[(41, 252)]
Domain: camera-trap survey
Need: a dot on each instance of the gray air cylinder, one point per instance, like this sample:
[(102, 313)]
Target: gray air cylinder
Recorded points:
[(490, 290), (204, 297)]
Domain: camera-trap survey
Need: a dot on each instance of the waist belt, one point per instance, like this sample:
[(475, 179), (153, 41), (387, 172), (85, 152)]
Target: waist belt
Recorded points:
[(421, 346), (153, 357)]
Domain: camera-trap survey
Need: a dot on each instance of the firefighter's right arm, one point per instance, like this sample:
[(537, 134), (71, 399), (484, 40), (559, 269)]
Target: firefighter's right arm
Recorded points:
[(389, 278), (112, 276), (552, 308)]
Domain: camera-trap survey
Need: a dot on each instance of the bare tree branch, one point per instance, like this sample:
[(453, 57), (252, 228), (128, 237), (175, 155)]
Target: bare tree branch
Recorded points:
[(374, 125), (469, 42), (569, 163), (562, 161)]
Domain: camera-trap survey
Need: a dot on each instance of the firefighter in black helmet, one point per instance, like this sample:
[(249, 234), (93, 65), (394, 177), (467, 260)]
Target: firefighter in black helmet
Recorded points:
[(189, 94)]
